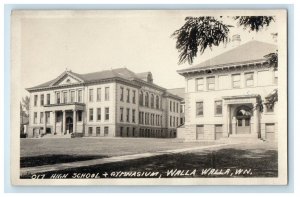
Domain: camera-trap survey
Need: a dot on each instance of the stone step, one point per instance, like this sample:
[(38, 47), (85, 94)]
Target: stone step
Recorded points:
[(57, 136)]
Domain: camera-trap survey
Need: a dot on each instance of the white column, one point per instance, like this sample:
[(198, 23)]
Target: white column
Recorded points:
[(54, 121), (233, 125), (64, 122), (45, 126), (255, 121), (74, 121)]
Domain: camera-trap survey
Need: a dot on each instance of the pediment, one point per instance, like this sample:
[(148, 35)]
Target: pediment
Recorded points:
[(66, 79)]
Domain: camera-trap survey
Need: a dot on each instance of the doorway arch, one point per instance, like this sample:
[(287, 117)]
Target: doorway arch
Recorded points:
[(69, 124), (243, 119)]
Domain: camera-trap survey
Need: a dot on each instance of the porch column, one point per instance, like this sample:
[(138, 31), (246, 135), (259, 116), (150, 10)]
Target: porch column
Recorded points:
[(64, 122), (45, 123), (54, 121), (233, 125), (227, 121), (74, 121), (254, 131)]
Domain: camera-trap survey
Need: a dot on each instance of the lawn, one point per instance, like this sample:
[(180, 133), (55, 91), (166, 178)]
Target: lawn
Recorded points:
[(36, 152), (261, 158)]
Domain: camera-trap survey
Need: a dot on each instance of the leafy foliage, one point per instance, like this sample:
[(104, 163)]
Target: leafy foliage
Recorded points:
[(272, 59), (25, 105), (271, 99), (254, 23), (198, 33)]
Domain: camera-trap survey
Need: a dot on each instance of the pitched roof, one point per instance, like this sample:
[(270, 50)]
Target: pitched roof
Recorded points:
[(248, 52), (177, 91), (122, 73)]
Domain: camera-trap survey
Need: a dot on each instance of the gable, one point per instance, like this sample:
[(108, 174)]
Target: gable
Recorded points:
[(66, 79)]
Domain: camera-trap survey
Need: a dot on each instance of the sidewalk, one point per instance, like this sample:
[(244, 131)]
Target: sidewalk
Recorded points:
[(77, 164)]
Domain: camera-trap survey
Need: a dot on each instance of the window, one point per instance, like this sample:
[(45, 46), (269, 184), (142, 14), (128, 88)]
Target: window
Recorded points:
[(98, 113), (133, 115), (128, 96), (200, 84), (79, 116), (48, 99), (152, 101), (218, 107), (97, 131), (90, 131), (177, 121), (147, 99), (42, 117), (106, 113), (106, 131), (35, 117), (65, 95), (121, 114), (79, 96), (173, 106), (122, 94), (177, 106), (91, 114), (210, 83), (127, 131), (72, 96), (141, 98), (127, 114), (133, 96), (35, 100), (107, 93), (276, 76), (42, 100), (199, 108), (91, 95), (249, 79), (170, 121), (47, 117), (57, 98), (181, 108), (170, 105), (200, 132), (98, 94), (236, 81), (173, 121), (269, 108), (121, 131), (157, 102)]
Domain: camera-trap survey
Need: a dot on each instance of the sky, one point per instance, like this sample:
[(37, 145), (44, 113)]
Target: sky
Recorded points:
[(84, 42)]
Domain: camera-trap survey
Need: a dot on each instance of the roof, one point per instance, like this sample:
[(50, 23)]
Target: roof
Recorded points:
[(248, 52), (122, 73), (177, 91)]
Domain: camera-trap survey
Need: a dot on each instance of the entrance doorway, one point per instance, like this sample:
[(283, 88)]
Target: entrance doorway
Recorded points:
[(243, 117), (69, 124)]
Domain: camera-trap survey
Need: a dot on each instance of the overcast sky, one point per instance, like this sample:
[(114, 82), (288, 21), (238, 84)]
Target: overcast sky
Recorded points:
[(92, 42)]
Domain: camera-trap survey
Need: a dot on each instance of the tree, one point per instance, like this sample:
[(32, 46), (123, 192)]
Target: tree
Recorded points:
[(198, 33), (25, 105)]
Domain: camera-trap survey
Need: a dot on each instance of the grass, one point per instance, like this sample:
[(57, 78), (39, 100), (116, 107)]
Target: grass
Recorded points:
[(262, 158), (36, 152)]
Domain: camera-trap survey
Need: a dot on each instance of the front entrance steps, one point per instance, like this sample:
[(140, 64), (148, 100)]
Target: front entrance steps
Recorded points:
[(245, 138), (57, 136)]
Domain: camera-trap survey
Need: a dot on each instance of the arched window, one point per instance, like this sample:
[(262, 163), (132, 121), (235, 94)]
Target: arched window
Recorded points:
[(152, 101), (147, 99), (157, 102), (141, 98), (243, 116)]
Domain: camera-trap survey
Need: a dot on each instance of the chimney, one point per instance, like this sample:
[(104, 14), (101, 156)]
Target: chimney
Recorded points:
[(236, 40)]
